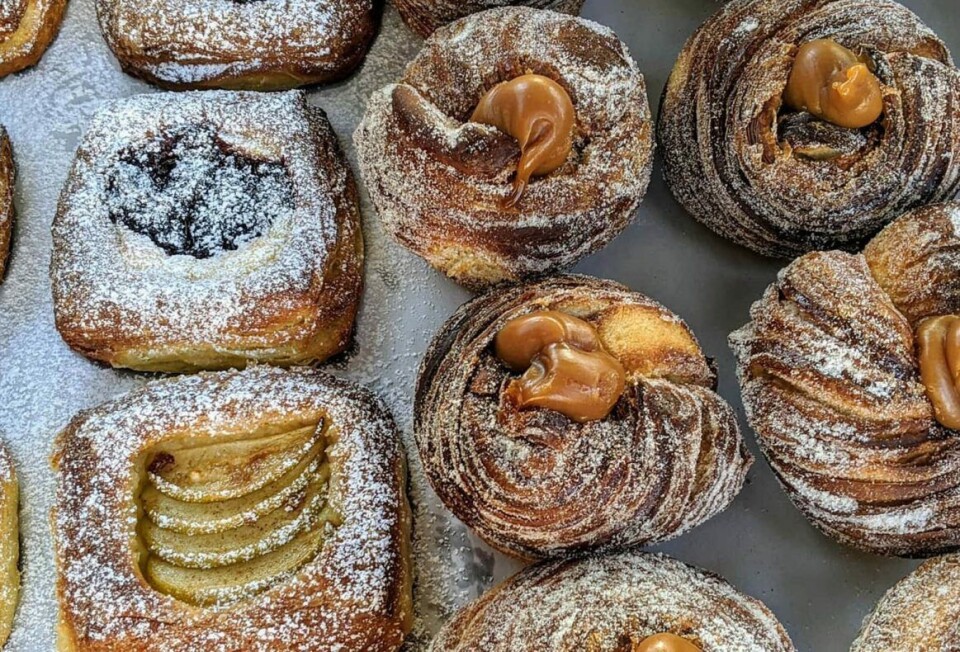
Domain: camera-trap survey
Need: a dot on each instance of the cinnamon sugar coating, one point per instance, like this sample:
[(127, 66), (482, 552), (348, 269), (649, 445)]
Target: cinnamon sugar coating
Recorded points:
[(353, 595), (238, 44), (27, 27), (611, 603), (7, 180), (783, 183), (425, 16), (208, 230), (439, 183), (920, 613), (534, 483), (831, 385)]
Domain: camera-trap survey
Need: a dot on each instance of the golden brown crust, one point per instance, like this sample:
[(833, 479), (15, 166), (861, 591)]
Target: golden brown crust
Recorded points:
[(612, 602), (831, 386), (439, 182), (922, 612), (533, 483), (353, 595), (733, 158), (917, 262), (233, 45), (425, 16), (27, 27), (7, 180), (9, 544), (288, 296)]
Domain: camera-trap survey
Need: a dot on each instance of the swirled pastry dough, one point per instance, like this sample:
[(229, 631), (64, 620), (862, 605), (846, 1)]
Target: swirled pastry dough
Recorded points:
[(831, 385), (440, 182), (782, 182), (613, 602), (535, 483)]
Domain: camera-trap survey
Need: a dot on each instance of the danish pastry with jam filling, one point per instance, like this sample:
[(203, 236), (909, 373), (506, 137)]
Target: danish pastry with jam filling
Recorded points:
[(208, 230)]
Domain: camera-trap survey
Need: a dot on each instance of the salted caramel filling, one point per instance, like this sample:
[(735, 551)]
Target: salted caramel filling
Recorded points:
[(565, 367), (665, 643), (832, 83), (539, 113), (938, 341)]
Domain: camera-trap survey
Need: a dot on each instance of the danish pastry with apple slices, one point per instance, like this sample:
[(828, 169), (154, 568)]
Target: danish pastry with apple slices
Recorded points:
[(7, 179), (258, 510), (516, 143), (258, 45), (849, 377), (425, 16), (9, 543), (27, 27), (573, 414), (624, 601), (919, 613), (795, 125), (208, 230)]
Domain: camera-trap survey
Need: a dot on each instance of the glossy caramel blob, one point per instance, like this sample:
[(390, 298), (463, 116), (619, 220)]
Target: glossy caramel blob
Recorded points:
[(938, 341), (539, 113), (565, 366), (523, 338), (832, 83), (665, 643)]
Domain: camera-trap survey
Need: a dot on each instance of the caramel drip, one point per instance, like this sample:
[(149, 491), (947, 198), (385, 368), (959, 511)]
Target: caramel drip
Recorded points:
[(834, 84), (565, 367), (539, 113), (938, 340), (665, 643)]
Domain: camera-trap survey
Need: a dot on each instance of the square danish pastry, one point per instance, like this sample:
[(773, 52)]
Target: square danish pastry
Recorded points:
[(206, 231), (261, 510)]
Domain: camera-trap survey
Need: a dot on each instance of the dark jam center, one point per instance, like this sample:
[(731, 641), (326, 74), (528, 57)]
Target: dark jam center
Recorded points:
[(193, 194)]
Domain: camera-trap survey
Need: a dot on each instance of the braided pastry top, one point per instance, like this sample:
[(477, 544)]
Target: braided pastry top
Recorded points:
[(831, 385), (609, 604), (439, 182), (922, 612), (534, 483), (735, 158)]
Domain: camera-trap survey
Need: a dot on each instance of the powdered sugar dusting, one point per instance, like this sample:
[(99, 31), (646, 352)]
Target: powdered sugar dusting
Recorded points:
[(189, 43), (919, 613), (427, 169), (151, 235), (830, 382), (46, 111), (602, 604), (357, 575), (728, 153)]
